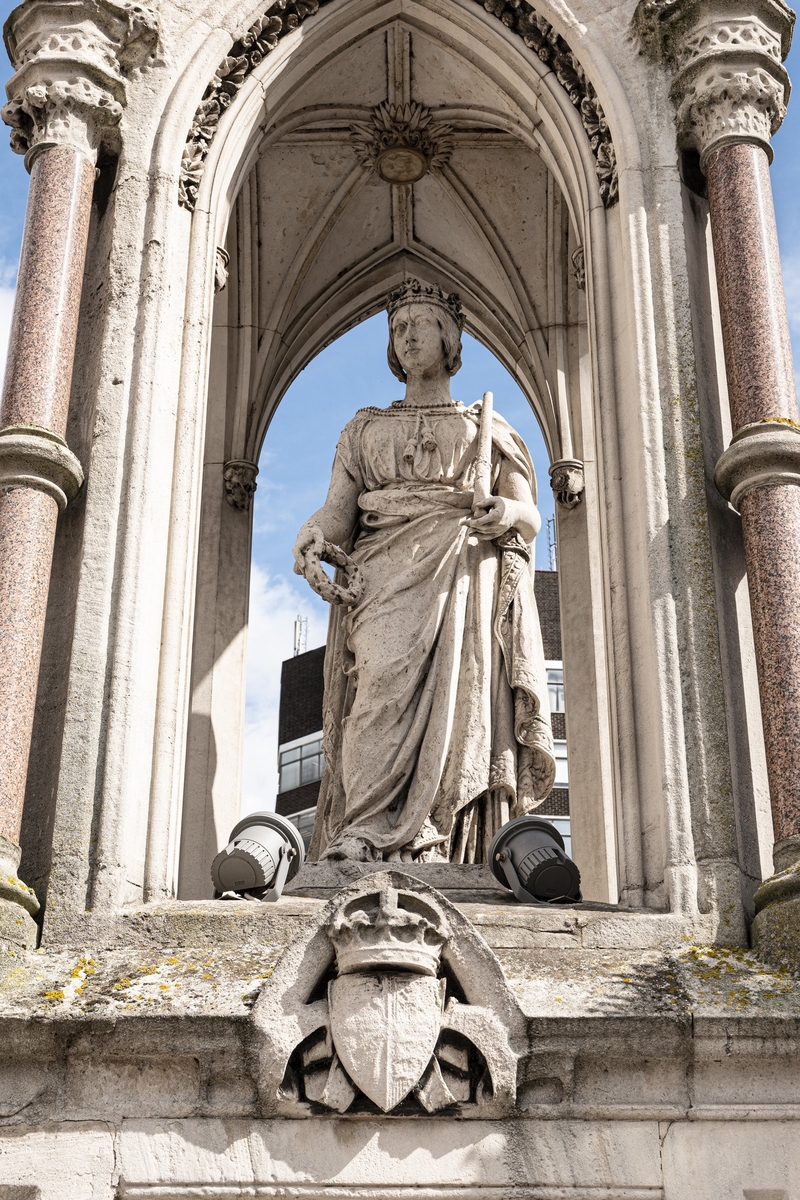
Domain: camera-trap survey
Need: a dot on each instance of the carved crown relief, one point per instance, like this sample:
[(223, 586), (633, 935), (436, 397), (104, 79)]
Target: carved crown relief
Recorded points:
[(395, 1004), (284, 16), (69, 86), (729, 83)]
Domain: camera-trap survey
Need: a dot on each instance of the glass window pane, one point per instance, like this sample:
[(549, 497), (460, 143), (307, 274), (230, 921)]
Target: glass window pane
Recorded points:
[(288, 756), (290, 776), (562, 775), (311, 748), (555, 688)]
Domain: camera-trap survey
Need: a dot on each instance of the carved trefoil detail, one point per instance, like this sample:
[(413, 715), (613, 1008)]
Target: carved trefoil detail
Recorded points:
[(239, 477), (394, 1029), (284, 16)]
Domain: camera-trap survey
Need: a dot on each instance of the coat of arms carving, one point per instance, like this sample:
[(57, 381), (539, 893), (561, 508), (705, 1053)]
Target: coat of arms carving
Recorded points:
[(393, 1004)]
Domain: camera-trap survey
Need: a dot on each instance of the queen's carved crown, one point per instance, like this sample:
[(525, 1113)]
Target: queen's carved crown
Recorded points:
[(376, 933), (414, 291)]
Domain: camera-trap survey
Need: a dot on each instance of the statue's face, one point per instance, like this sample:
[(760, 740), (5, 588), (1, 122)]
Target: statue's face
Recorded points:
[(417, 338)]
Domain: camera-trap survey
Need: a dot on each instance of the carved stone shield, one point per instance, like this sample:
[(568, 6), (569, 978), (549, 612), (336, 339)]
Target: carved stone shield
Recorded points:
[(385, 1028)]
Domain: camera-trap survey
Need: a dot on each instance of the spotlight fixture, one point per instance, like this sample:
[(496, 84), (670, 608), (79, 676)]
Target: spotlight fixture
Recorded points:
[(264, 852), (527, 856)]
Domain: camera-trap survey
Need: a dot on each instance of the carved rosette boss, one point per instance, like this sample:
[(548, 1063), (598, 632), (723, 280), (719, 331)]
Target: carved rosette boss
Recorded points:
[(69, 88), (402, 141)]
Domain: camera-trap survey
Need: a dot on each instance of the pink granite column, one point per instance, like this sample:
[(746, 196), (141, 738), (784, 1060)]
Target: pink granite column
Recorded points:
[(34, 411), (763, 406)]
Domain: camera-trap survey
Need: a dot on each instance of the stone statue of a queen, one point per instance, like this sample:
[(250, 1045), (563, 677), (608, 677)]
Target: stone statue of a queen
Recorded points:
[(436, 716)]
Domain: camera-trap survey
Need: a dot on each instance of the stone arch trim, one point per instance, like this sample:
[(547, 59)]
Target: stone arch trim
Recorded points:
[(284, 16)]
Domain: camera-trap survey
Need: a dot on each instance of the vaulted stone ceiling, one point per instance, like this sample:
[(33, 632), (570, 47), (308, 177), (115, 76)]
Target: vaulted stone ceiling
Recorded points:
[(319, 233)]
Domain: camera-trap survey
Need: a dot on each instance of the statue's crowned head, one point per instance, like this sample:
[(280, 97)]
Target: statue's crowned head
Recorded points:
[(448, 314)]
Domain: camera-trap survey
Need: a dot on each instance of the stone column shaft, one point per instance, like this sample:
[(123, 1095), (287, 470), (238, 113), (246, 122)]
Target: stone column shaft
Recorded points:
[(37, 472), (762, 396), (45, 320), (755, 328)]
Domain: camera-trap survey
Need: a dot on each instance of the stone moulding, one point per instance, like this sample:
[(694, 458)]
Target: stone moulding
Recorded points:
[(70, 83), (39, 458), (284, 16), (729, 83), (760, 454)]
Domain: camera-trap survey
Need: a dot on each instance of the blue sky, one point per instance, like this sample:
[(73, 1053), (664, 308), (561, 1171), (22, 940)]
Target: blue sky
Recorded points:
[(299, 448)]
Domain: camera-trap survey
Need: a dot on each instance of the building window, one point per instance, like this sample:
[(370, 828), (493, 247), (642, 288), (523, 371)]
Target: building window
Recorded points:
[(300, 763), (562, 774), (563, 827), (304, 823), (555, 688)]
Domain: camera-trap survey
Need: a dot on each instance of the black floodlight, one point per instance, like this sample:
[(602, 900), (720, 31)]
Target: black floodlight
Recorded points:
[(264, 851), (527, 855)]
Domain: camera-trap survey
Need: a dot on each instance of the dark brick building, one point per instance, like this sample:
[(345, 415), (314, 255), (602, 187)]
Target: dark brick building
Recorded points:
[(300, 720)]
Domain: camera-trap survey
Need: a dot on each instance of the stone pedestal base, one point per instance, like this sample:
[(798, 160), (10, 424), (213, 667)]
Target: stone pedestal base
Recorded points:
[(776, 929), (18, 903)]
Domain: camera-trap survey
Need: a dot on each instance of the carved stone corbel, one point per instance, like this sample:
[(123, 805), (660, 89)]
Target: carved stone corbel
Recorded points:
[(221, 266), (239, 476), (579, 267), (729, 82), (40, 459), (69, 88), (567, 481), (760, 454)]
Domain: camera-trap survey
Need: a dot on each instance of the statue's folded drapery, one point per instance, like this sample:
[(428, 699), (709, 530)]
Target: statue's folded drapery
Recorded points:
[(436, 718)]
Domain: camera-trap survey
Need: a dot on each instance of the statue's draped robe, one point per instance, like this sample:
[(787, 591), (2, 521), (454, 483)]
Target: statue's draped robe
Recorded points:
[(436, 716)]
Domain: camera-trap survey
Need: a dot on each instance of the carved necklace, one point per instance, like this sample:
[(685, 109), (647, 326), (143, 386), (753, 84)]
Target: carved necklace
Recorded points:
[(398, 407)]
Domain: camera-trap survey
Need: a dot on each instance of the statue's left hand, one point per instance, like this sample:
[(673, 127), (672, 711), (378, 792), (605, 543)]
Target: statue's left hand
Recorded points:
[(502, 513), (499, 516)]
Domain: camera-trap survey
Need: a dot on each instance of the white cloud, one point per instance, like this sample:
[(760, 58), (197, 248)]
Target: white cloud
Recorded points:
[(275, 601), (6, 307)]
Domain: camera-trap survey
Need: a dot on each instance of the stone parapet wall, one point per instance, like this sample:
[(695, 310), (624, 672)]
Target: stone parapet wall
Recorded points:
[(139, 1069)]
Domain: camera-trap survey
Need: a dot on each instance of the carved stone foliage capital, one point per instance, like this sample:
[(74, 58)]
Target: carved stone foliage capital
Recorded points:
[(567, 481), (69, 86), (393, 1004), (239, 477), (729, 83)]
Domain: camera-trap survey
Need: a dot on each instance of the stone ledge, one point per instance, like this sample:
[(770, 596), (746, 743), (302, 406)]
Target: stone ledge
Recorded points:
[(500, 919)]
